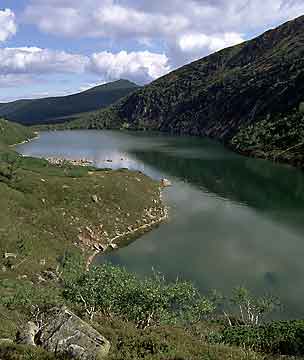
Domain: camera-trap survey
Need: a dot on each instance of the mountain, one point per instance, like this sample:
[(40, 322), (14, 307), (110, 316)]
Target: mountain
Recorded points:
[(59, 109), (258, 81)]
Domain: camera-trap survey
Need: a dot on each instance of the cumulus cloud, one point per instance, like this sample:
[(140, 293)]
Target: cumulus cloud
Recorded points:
[(141, 67), (165, 34), (34, 60), (8, 25), (196, 42), (158, 20)]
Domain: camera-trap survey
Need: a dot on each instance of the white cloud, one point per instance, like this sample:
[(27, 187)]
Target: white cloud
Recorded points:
[(27, 62), (8, 25), (140, 67), (175, 24), (33, 60), (196, 42), (13, 80)]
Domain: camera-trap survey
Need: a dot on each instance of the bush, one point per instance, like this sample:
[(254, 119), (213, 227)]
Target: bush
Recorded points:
[(279, 337), (31, 299), (146, 302)]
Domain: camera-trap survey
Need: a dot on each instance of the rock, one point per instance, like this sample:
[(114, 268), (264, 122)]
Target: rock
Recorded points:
[(165, 183), (6, 341), (42, 262), (95, 198), (10, 255), (26, 336), (40, 279), (65, 333), (113, 246), (50, 275)]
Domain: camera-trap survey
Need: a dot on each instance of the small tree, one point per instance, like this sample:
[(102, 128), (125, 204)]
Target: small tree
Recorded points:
[(146, 302), (252, 310)]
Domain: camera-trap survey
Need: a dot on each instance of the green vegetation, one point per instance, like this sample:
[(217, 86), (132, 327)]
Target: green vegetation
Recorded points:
[(66, 108), (183, 325), (148, 302), (12, 133), (223, 93), (53, 216), (280, 337), (49, 210), (279, 137)]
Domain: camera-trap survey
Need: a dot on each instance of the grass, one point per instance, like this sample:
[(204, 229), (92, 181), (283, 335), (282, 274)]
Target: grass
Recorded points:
[(48, 210), (49, 214), (12, 133)]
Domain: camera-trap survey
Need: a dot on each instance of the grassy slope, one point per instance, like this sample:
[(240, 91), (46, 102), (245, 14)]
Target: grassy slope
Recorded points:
[(59, 109), (43, 210), (12, 133), (220, 94)]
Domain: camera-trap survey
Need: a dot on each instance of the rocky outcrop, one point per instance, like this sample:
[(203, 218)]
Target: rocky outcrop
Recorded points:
[(26, 335), (64, 333)]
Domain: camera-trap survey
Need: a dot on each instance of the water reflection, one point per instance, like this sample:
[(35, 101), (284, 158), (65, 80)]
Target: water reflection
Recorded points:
[(233, 220)]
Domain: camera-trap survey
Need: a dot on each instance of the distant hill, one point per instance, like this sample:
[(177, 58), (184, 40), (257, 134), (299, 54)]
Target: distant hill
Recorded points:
[(225, 93), (59, 109)]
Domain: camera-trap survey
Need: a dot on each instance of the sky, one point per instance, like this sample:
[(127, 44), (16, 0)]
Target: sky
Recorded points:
[(59, 47)]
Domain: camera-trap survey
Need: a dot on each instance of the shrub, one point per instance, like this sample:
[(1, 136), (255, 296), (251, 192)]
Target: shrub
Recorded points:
[(150, 301), (278, 337)]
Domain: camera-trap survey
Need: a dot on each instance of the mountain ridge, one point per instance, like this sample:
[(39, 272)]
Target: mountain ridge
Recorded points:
[(52, 109)]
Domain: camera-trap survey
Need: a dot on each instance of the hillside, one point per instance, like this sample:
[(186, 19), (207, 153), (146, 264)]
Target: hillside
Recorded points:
[(223, 93), (13, 133), (58, 109)]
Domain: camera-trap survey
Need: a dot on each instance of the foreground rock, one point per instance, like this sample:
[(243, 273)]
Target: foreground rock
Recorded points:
[(64, 333)]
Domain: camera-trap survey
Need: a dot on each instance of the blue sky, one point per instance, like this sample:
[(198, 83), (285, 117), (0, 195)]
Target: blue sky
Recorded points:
[(57, 47)]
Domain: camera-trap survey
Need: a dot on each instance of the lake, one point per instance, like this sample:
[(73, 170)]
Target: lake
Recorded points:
[(233, 220)]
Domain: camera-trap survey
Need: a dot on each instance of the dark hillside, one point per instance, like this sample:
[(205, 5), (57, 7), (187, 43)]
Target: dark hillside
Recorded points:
[(57, 109), (221, 93)]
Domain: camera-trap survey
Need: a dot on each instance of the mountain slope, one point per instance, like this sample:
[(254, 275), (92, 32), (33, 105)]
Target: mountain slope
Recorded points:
[(12, 133), (221, 93), (56, 109)]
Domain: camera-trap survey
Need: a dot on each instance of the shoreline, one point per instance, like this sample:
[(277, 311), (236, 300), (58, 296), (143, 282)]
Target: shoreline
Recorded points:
[(111, 243), (141, 229), (27, 140)]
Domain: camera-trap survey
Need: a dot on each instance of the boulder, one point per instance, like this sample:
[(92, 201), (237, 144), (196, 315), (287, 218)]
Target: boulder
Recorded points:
[(26, 335), (95, 198), (66, 333), (165, 183), (6, 342)]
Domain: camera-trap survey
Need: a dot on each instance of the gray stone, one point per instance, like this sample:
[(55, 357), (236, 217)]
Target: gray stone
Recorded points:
[(66, 333), (8, 255), (165, 183), (95, 198), (26, 336), (6, 341)]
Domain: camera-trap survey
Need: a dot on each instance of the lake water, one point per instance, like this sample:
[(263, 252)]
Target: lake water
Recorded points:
[(233, 220)]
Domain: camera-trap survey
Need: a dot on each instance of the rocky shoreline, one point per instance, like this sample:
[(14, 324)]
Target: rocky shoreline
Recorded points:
[(140, 230), (75, 162)]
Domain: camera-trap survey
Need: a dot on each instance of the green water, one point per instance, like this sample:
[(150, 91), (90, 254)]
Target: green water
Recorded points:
[(233, 220)]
